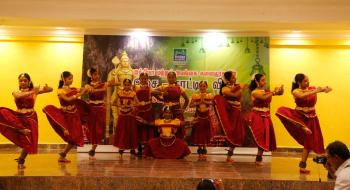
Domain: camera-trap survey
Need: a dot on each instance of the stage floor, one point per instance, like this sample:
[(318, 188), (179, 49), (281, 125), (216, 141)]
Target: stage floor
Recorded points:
[(109, 172)]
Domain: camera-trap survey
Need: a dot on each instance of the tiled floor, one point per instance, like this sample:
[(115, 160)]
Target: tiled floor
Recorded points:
[(109, 170)]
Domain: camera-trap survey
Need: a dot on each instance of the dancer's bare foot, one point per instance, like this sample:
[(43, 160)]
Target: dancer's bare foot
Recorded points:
[(20, 162), (92, 155), (259, 163), (133, 154), (230, 160), (121, 155), (21, 166), (304, 171), (63, 160)]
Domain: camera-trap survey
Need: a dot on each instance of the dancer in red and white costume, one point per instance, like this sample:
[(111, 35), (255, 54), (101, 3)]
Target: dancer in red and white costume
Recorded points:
[(66, 120), (302, 122), (21, 126)]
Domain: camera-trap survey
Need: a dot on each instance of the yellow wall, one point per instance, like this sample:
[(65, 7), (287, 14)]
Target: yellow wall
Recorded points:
[(44, 60), (326, 63)]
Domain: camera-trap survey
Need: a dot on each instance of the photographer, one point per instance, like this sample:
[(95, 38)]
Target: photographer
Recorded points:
[(338, 164)]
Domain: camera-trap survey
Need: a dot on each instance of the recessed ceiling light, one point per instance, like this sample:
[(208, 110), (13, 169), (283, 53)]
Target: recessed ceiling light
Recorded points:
[(295, 35), (214, 40), (2, 31)]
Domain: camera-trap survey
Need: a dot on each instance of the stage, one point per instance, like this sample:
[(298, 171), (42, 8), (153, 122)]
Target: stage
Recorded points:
[(108, 172)]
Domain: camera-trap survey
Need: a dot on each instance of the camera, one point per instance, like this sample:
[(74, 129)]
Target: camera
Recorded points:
[(320, 159)]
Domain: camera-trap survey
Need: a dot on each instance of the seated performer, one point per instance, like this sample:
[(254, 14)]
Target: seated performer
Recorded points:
[(167, 145), (172, 93)]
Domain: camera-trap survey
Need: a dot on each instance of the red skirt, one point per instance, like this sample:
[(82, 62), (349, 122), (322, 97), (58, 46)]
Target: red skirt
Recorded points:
[(96, 123), (231, 120), (164, 148), (126, 133), (262, 130), (84, 111), (145, 132), (201, 131), (70, 121), (177, 113), (294, 120), (10, 124)]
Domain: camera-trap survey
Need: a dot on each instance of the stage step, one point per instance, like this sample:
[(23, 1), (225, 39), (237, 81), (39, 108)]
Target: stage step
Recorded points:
[(211, 150)]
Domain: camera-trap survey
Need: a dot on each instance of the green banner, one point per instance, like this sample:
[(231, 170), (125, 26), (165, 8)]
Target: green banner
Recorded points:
[(192, 58)]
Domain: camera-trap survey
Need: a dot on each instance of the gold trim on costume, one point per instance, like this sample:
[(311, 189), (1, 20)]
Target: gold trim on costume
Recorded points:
[(206, 117), (95, 101), (305, 109), (17, 130), (30, 142), (171, 103), (236, 103), (292, 120), (69, 108), (25, 110), (9, 126), (223, 128), (26, 115), (143, 103), (53, 118), (167, 145), (256, 141), (261, 109), (126, 111)]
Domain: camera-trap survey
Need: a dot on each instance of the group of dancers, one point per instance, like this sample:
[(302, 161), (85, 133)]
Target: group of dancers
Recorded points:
[(137, 127)]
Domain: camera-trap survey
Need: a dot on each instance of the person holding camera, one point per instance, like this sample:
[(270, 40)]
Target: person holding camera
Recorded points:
[(337, 163), (210, 184)]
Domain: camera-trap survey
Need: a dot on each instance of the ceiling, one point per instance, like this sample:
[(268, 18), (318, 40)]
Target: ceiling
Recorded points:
[(275, 18)]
